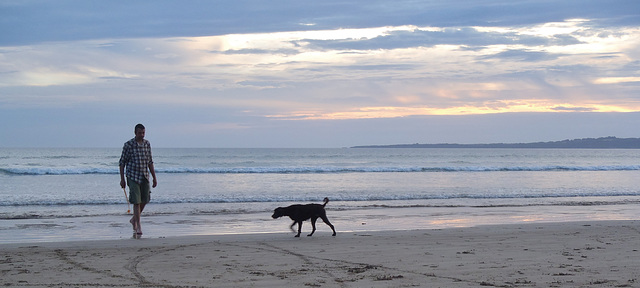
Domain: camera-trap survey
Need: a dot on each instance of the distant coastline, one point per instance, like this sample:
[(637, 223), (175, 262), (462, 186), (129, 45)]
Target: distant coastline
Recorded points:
[(584, 143)]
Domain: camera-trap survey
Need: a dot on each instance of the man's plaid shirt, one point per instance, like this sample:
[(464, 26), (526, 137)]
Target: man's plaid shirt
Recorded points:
[(136, 158)]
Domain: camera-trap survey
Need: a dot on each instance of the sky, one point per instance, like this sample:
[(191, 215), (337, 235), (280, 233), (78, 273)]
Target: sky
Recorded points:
[(317, 74)]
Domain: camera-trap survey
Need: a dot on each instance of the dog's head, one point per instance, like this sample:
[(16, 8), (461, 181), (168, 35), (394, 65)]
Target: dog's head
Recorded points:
[(279, 212)]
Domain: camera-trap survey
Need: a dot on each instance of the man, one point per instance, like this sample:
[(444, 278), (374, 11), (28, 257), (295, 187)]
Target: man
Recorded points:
[(136, 158)]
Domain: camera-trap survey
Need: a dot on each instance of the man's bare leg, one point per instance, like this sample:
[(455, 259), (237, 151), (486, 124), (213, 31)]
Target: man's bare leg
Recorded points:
[(137, 209), (133, 223)]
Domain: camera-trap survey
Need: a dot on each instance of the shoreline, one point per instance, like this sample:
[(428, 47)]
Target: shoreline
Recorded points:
[(567, 254), (117, 227)]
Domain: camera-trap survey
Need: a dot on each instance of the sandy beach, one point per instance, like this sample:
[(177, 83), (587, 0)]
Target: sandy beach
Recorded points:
[(568, 254)]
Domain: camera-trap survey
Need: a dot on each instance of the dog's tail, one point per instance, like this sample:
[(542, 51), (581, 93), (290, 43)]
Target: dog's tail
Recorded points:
[(326, 200)]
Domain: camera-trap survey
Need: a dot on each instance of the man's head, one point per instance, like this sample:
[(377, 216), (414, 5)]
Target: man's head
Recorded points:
[(139, 131)]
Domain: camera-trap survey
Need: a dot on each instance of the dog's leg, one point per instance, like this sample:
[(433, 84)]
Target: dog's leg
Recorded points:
[(326, 221), (293, 224), (299, 228), (313, 225)]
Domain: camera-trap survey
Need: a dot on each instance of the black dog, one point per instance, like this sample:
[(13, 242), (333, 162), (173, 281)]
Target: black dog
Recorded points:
[(299, 213)]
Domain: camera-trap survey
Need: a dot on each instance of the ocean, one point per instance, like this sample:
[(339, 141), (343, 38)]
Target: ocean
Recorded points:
[(66, 194)]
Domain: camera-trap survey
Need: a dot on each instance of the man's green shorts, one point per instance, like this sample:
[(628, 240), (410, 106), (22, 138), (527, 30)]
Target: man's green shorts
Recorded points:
[(139, 193)]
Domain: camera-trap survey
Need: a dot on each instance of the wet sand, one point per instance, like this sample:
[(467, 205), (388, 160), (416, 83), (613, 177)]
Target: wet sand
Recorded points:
[(566, 254)]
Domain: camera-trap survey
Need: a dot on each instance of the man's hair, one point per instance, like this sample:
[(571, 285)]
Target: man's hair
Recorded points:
[(139, 126)]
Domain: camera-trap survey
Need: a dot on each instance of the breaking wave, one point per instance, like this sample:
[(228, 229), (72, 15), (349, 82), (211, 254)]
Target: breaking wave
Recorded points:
[(312, 170)]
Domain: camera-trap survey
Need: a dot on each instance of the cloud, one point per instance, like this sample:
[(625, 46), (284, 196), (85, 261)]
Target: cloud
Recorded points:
[(616, 80), (231, 66), (522, 55), (261, 51), (35, 21), (572, 109), (428, 37)]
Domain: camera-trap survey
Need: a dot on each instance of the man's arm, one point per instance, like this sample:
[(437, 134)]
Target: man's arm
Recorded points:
[(123, 183), (153, 174), (124, 158)]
